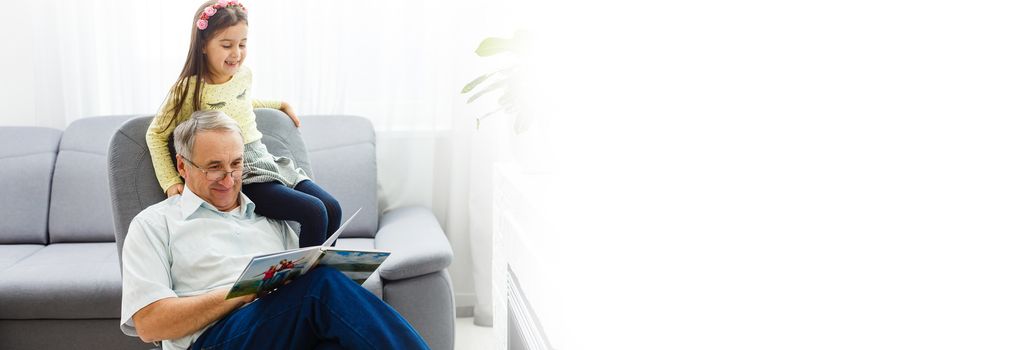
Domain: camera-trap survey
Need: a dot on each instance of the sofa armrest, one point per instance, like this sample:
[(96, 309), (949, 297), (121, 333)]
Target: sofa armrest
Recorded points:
[(416, 240)]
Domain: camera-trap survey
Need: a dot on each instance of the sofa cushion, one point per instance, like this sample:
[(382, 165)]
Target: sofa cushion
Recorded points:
[(10, 254), (27, 155), (342, 150), (80, 208), (63, 281), (417, 242)]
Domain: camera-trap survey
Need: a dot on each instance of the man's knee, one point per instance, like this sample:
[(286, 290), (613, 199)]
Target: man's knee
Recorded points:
[(323, 276)]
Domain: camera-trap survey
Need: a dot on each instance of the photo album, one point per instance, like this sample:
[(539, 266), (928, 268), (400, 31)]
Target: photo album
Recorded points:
[(267, 272)]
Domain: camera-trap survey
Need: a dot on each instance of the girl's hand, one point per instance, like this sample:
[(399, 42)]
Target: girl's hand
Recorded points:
[(174, 190), (286, 108)]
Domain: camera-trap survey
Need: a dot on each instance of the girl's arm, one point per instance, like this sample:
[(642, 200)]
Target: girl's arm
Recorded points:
[(266, 104), (280, 105), (286, 108), (158, 141)]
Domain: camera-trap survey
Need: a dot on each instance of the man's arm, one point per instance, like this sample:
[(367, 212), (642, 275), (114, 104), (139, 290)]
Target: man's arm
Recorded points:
[(172, 318)]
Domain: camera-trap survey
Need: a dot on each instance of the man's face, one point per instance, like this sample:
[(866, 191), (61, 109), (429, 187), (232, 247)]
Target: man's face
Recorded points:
[(214, 151)]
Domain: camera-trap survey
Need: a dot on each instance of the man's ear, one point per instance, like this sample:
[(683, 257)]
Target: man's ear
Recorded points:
[(180, 168)]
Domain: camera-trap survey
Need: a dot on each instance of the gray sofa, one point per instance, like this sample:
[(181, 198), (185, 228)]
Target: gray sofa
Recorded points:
[(59, 272), (338, 152), (61, 225)]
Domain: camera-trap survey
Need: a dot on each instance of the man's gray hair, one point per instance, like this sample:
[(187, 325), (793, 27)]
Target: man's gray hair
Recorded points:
[(200, 121)]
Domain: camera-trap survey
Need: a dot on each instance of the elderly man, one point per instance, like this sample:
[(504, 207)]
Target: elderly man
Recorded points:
[(182, 255)]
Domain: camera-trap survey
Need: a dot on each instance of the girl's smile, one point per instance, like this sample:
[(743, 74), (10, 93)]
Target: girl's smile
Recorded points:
[(225, 52)]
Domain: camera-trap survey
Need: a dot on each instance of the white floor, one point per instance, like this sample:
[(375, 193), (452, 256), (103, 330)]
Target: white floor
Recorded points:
[(472, 337)]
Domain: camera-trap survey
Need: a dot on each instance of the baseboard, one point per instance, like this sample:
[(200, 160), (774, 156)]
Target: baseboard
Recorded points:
[(464, 303)]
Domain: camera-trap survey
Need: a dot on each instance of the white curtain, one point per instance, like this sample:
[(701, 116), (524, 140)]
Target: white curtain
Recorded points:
[(399, 63)]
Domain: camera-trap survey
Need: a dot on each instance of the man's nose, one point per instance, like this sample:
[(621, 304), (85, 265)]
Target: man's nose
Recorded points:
[(227, 180)]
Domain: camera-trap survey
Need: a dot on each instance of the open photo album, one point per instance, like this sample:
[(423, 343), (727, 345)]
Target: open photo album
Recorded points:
[(268, 272)]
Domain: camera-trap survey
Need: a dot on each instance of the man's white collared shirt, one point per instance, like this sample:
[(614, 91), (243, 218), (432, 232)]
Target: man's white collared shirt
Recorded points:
[(183, 246)]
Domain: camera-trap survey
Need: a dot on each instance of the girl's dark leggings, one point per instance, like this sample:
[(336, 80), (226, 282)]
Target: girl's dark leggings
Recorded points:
[(318, 213)]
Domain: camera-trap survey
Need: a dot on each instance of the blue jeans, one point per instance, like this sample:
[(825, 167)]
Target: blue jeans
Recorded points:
[(318, 213), (323, 309)]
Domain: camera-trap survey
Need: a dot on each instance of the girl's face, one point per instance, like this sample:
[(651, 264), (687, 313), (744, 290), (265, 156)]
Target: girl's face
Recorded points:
[(224, 53)]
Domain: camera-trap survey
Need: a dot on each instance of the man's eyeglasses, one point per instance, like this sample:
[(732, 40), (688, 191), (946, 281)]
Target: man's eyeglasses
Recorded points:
[(216, 175)]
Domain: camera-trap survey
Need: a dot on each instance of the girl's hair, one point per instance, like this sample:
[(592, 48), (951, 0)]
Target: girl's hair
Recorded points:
[(195, 66)]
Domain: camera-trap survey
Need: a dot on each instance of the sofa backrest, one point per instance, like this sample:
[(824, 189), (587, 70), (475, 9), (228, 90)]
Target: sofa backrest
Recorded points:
[(342, 150), (79, 207), (27, 156), (133, 186)]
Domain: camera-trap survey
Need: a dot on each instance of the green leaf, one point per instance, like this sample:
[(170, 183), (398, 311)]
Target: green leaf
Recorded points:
[(492, 46), (507, 72), (486, 115), (489, 88), (508, 98), (469, 87), (522, 122)]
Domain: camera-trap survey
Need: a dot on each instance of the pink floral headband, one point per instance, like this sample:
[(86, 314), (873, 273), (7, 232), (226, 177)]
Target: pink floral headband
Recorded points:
[(211, 10)]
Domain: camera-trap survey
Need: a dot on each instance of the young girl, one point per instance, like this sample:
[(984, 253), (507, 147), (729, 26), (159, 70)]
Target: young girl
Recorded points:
[(213, 78)]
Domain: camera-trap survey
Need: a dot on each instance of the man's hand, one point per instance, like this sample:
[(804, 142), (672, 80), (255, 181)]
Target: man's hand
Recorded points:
[(175, 317), (174, 190), (286, 108)]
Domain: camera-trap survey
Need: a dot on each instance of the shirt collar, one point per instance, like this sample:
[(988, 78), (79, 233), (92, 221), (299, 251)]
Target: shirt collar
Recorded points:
[(190, 203)]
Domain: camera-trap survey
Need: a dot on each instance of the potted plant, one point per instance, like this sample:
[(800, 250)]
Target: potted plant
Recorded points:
[(510, 81)]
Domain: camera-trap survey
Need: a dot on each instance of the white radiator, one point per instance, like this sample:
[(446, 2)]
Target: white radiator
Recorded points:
[(524, 256)]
